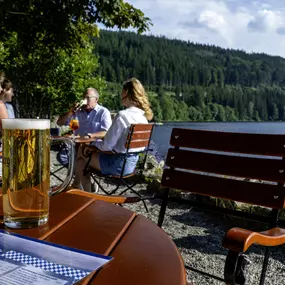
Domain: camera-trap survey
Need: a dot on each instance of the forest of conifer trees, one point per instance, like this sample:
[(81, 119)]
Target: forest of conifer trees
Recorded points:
[(193, 82)]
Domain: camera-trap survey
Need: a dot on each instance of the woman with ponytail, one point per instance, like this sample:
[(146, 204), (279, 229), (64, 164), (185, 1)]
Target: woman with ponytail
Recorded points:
[(138, 111)]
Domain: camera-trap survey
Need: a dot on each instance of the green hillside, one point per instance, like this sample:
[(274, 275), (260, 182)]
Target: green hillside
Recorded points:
[(188, 81)]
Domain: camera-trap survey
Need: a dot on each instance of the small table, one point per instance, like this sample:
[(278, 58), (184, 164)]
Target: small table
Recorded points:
[(143, 253)]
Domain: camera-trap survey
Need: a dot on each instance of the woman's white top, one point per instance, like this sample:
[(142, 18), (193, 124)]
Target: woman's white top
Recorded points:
[(116, 136)]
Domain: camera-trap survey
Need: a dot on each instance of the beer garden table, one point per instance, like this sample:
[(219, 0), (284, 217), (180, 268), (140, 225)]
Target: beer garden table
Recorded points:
[(143, 253)]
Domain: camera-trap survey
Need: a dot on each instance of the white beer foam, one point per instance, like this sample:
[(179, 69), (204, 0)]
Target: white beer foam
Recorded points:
[(25, 124)]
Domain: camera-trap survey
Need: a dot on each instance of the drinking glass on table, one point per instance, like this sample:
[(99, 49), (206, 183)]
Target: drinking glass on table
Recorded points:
[(74, 125), (26, 171)]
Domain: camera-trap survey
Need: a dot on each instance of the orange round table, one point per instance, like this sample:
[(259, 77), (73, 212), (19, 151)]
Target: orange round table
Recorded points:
[(143, 253)]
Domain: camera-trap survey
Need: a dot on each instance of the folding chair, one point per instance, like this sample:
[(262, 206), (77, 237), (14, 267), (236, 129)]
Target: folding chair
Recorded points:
[(138, 137)]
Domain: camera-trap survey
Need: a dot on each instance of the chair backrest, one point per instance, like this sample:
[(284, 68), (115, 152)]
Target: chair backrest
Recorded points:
[(139, 136), (217, 164)]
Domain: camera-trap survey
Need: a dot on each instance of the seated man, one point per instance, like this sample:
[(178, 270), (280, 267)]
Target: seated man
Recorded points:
[(94, 121)]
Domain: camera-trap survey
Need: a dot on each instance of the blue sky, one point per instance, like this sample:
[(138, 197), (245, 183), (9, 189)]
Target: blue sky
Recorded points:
[(254, 26)]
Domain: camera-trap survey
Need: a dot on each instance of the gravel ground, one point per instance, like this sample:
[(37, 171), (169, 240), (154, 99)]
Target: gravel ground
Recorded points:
[(198, 237)]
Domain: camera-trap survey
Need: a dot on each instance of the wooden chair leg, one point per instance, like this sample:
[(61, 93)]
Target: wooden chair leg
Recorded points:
[(163, 207)]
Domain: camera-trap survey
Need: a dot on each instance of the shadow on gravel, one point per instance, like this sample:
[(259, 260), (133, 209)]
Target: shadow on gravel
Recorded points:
[(205, 231)]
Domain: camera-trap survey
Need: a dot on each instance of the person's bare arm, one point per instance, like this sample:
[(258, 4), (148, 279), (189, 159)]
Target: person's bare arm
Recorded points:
[(98, 135), (92, 136), (63, 118), (3, 113)]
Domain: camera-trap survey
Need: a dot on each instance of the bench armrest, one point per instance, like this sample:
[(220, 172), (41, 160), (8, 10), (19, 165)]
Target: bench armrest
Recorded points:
[(239, 240)]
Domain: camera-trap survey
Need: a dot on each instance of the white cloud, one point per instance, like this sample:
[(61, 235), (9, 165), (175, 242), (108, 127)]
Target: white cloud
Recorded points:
[(254, 26), (265, 20), (212, 20)]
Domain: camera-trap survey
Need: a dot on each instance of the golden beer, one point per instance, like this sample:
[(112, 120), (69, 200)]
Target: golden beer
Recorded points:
[(26, 172)]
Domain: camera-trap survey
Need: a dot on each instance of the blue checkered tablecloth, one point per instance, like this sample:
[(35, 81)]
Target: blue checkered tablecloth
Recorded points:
[(45, 265)]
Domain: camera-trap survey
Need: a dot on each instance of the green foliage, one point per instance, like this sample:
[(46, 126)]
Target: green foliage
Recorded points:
[(195, 82), (49, 82), (153, 168), (167, 107), (157, 60), (63, 24), (112, 97), (46, 49), (156, 108)]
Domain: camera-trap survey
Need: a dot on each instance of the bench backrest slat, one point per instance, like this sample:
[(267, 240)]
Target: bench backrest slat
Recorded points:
[(263, 144), (238, 166), (254, 193)]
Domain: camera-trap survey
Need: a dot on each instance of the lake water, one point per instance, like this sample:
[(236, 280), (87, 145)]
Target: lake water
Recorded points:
[(161, 133)]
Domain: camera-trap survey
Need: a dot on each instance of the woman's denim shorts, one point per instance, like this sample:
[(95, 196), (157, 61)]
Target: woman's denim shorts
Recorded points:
[(112, 164)]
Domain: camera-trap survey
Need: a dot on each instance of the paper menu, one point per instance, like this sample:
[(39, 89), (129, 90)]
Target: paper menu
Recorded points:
[(23, 259), (26, 274)]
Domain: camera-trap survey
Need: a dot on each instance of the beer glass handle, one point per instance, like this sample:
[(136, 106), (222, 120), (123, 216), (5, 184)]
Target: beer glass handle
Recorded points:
[(71, 153)]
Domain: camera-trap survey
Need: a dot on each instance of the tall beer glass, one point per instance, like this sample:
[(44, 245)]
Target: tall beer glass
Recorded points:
[(26, 172)]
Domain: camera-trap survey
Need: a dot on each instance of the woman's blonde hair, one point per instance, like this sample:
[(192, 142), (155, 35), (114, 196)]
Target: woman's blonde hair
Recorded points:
[(137, 95)]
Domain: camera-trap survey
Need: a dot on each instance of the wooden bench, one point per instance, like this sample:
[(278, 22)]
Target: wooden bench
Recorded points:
[(223, 165)]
